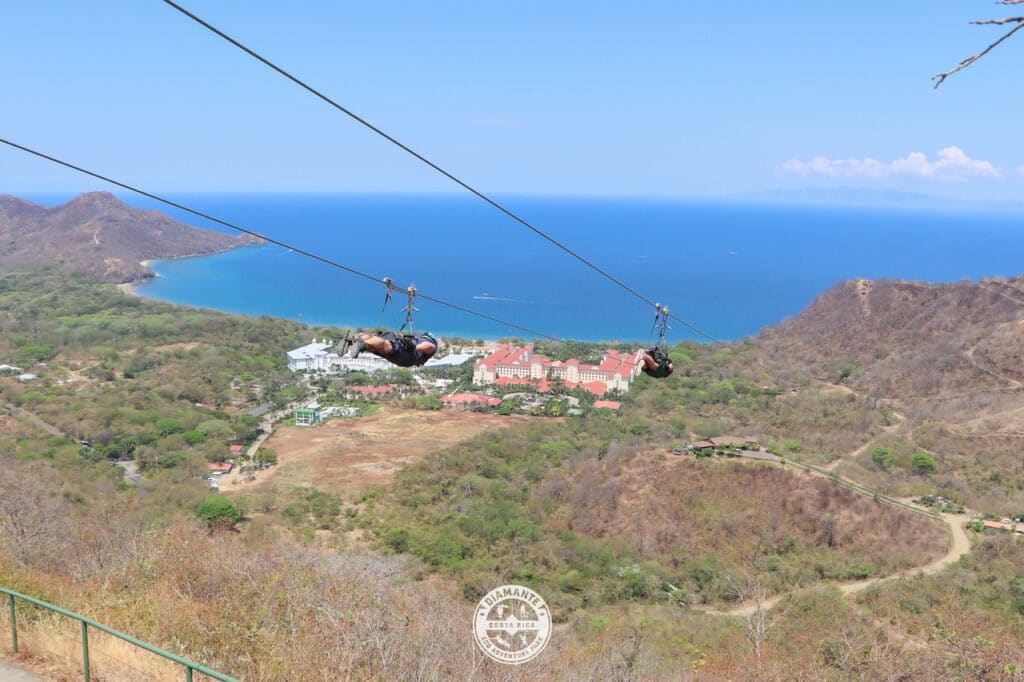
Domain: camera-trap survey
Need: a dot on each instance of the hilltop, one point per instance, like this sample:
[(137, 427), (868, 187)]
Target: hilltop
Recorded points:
[(945, 359), (896, 330), (99, 235)]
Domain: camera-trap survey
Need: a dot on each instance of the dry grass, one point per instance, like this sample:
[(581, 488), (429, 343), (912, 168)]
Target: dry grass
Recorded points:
[(350, 455), (53, 646), (666, 506)]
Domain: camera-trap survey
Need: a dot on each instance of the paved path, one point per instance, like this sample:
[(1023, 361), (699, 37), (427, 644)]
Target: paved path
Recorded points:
[(10, 672)]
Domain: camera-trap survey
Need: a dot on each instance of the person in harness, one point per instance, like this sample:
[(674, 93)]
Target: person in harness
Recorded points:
[(403, 350), (657, 362), (409, 349)]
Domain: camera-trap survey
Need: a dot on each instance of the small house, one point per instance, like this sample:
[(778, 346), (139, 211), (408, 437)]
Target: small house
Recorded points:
[(306, 416)]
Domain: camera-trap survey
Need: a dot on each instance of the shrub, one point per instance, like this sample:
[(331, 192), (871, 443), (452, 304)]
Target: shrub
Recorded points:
[(923, 463), (862, 571), (882, 456), (397, 539), (194, 437), (218, 511), (166, 426)]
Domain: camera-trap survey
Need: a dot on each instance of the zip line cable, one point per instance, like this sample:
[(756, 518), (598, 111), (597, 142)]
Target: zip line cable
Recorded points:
[(309, 254), (428, 162)]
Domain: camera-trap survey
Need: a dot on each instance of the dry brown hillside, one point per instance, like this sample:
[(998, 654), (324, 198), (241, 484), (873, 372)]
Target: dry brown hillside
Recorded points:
[(99, 235), (678, 508), (909, 338), (947, 357)]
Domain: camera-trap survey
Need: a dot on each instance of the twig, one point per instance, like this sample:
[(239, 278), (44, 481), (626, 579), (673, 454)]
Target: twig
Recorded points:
[(939, 78)]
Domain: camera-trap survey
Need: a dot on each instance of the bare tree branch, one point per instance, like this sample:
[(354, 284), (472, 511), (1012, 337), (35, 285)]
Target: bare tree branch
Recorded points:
[(998, 22), (939, 78)]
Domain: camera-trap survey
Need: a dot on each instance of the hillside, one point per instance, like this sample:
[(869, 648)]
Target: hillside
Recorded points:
[(946, 359), (899, 332), (638, 551), (99, 235)]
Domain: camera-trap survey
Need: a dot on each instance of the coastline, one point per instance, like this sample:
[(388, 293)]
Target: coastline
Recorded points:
[(131, 288), (727, 269), (128, 288)]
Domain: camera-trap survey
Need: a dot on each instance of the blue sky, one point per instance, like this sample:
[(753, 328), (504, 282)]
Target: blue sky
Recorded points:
[(677, 98)]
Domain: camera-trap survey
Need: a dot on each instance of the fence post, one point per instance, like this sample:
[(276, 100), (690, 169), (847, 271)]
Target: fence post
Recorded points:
[(85, 650), (14, 624), (188, 673)]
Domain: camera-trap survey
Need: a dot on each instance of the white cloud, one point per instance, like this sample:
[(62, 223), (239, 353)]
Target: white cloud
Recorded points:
[(950, 163)]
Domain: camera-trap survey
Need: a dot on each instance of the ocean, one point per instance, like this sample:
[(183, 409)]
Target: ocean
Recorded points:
[(727, 268)]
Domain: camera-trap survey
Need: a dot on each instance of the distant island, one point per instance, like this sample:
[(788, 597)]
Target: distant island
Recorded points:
[(101, 236)]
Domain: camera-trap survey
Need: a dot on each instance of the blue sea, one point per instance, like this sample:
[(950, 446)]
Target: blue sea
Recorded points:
[(727, 268)]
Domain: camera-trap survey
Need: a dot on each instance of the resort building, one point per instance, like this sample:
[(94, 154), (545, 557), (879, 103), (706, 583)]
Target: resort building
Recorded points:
[(316, 355), (518, 365), (307, 416)]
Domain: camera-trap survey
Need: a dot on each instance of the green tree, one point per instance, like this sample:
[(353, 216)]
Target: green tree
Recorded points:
[(217, 511), (429, 402), (167, 426), (923, 464), (882, 456), (194, 437)]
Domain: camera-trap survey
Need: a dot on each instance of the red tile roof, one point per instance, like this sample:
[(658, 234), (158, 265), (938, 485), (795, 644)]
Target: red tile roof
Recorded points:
[(609, 404), (512, 381), (1004, 526), (470, 399), (619, 363), (731, 440), (613, 364), (507, 355), (236, 449), (223, 467)]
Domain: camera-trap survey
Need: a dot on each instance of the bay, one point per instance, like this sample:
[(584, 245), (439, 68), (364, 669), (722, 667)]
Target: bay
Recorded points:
[(727, 268)]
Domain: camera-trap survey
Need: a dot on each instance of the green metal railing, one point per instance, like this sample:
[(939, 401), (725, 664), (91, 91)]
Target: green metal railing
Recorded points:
[(189, 666)]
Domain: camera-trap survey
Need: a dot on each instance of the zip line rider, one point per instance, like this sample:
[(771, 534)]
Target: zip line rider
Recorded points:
[(404, 350), (410, 349), (657, 362)]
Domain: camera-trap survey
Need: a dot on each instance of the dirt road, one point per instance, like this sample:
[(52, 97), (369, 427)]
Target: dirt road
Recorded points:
[(50, 429), (959, 546)]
